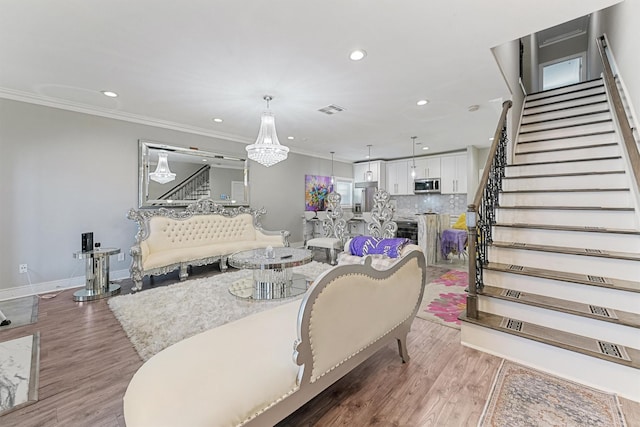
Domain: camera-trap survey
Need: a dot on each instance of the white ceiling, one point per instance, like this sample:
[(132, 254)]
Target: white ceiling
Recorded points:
[(179, 64)]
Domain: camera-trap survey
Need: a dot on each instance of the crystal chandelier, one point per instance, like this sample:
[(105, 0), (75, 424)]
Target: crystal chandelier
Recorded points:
[(162, 173), (368, 175), (413, 149), (267, 149)]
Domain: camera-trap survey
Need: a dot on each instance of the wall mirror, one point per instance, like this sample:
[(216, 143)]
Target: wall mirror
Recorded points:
[(178, 176)]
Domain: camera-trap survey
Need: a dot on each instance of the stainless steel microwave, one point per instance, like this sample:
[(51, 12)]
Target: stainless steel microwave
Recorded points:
[(426, 185)]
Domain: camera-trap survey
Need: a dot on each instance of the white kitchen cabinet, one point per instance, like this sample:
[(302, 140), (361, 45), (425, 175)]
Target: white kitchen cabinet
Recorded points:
[(378, 168), (453, 174), (427, 167), (398, 178)]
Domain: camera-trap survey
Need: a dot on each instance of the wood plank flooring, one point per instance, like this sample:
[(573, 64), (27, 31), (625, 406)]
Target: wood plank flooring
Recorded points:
[(86, 363)]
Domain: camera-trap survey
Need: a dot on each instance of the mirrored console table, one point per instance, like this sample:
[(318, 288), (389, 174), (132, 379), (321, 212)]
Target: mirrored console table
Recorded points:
[(97, 275)]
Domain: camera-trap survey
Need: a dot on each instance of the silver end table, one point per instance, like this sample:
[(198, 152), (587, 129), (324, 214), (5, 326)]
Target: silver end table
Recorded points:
[(273, 277), (97, 275)]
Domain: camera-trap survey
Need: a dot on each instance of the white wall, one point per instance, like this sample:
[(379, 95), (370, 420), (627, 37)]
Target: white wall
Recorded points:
[(64, 173)]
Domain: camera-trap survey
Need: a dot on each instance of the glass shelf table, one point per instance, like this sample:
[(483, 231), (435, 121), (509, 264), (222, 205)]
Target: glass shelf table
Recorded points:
[(273, 277)]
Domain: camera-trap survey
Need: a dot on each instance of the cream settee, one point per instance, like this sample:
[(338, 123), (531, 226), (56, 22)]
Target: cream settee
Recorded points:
[(259, 369), (203, 233)]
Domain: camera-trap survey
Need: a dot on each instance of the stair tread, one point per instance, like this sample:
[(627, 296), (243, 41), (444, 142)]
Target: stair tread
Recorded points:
[(569, 228), (588, 84), (551, 150), (605, 282), (592, 311), (576, 98), (563, 174), (548, 162), (568, 208), (571, 116), (604, 132), (564, 190), (557, 338), (588, 104), (575, 125), (602, 253)]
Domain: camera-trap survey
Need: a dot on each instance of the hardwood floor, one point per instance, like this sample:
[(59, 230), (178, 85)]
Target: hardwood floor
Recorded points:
[(86, 363)]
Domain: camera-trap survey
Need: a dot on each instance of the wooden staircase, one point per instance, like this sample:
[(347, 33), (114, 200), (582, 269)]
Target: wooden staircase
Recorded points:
[(562, 286)]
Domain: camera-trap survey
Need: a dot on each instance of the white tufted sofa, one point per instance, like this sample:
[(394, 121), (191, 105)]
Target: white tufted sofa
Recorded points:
[(203, 233), (259, 369)]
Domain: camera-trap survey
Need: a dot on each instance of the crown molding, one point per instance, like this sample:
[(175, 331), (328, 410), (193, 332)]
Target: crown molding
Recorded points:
[(30, 98)]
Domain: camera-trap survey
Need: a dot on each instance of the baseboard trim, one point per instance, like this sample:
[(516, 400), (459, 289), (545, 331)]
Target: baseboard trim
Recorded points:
[(54, 285)]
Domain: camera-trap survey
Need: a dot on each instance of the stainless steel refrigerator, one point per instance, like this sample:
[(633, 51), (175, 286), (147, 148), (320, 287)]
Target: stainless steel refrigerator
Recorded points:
[(363, 195)]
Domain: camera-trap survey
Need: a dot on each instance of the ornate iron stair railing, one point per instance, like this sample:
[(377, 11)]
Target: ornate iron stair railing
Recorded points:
[(481, 213)]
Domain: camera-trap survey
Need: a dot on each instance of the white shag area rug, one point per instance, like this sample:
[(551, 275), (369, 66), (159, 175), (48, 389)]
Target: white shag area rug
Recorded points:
[(156, 318)]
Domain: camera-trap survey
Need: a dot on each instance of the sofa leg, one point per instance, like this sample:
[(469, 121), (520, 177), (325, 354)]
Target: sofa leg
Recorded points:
[(402, 349), (184, 272), (332, 256), (223, 264)]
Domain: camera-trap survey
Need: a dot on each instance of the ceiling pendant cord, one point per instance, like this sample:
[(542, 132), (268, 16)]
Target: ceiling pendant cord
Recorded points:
[(413, 150), (368, 175)]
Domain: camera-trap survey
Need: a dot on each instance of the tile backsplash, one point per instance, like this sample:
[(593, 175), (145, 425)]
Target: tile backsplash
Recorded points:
[(453, 204)]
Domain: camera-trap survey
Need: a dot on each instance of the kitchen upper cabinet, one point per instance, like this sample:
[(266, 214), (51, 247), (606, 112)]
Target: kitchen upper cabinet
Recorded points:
[(378, 168), (427, 167), (398, 178), (453, 174)]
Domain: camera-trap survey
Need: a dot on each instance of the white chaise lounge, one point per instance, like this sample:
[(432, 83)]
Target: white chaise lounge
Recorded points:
[(259, 369)]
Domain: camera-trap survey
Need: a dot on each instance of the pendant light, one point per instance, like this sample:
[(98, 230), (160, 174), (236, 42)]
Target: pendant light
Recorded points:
[(333, 178), (413, 149), (162, 173), (267, 149), (368, 175)]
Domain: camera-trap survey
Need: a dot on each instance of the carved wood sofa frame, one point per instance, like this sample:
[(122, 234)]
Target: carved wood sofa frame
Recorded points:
[(143, 218)]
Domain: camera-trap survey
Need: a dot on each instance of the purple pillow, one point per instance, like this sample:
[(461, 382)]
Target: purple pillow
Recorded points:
[(367, 245)]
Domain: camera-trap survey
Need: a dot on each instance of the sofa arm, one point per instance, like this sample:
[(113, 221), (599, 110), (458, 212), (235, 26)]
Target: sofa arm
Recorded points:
[(269, 235)]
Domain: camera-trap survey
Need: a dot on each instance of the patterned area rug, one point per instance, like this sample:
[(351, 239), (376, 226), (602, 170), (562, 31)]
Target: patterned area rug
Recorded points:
[(444, 299), (522, 396), (20, 311), (19, 367), (156, 318)]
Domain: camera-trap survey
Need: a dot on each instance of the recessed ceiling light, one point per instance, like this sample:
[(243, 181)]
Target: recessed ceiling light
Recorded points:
[(217, 120), (109, 93), (491, 139), (357, 55), (425, 148), (473, 107), (291, 137), (422, 102)]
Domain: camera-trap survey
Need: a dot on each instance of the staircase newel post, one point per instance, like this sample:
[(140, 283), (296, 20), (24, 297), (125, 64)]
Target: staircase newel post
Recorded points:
[(472, 296)]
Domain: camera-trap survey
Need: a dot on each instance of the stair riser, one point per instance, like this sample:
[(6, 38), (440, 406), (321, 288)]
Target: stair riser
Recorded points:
[(536, 127), (567, 182), (558, 144), (574, 239), (585, 326), (606, 219), (591, 371), (586, 294), (576, 89), (579, 264), (566, 104), (587, 109), (613, 199), (564, 97), (567, 132), (551, 168), (576, 154)]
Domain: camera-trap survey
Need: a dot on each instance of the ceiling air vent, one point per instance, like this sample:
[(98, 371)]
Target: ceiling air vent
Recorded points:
[(331, 109)]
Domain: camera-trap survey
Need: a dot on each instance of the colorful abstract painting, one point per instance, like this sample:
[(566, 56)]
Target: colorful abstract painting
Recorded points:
[(316, 190)]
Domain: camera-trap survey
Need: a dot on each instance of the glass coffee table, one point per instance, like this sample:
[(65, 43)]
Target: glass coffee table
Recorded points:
[(273, 277)]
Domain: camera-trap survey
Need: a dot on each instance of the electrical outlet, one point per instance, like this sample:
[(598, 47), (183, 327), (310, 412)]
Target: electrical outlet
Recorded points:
[(120, 256), (23, 268)]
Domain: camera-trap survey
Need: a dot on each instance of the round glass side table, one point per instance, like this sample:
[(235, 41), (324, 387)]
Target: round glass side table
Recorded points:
[(97, 275)]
